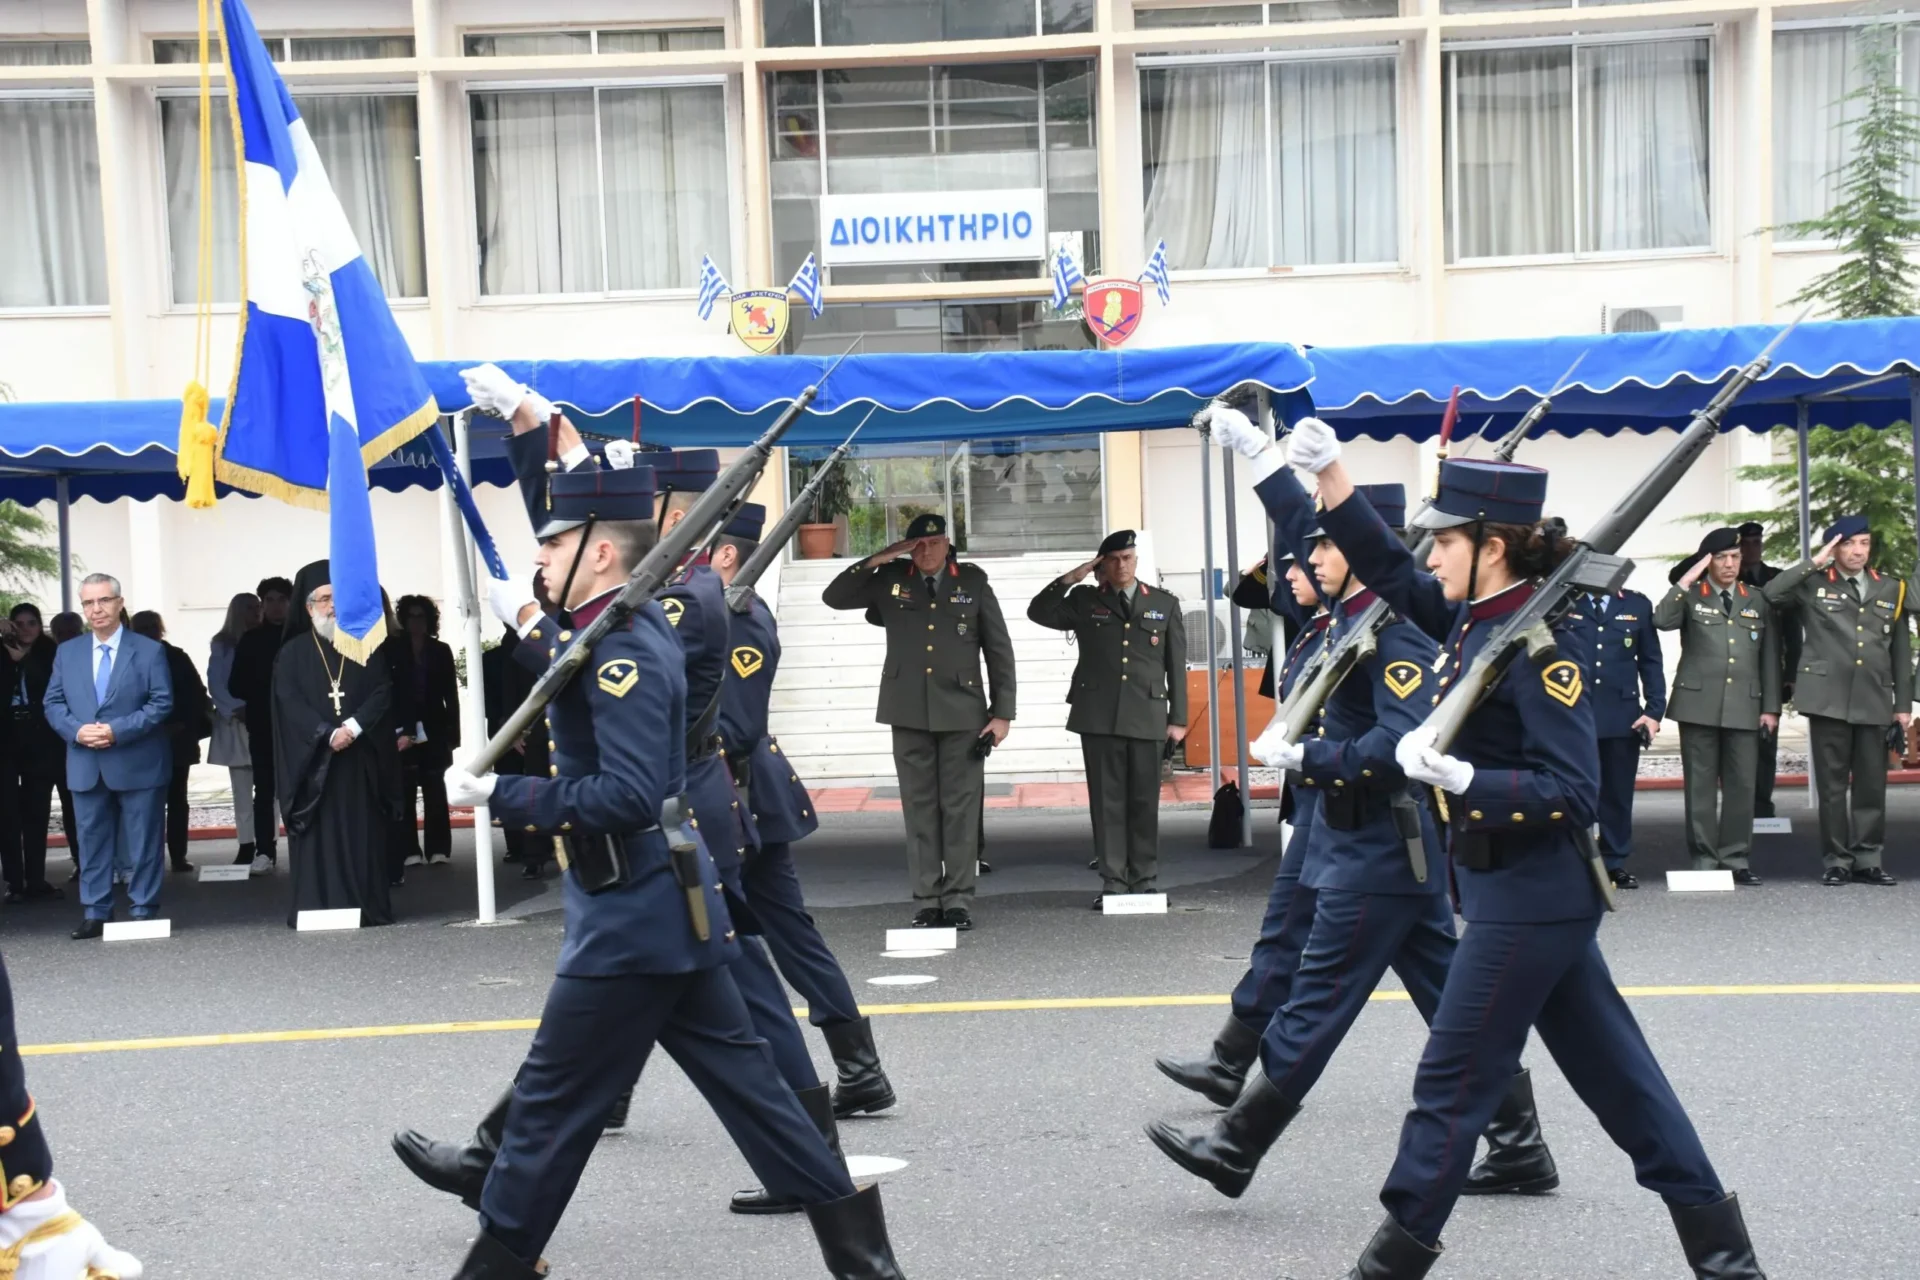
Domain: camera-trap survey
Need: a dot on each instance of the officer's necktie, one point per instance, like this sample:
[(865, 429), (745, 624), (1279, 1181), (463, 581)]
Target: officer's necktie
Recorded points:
[(933, 591), (1726, 602), (103, 672), (1858, 595)]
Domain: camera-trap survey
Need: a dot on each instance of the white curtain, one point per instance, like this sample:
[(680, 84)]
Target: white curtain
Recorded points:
[(537, 192), (1644, 146), (370, 146), (1204, 133), (180, 146), (665, 152), (55, 253), (45, 53), (1512, 154), (1336, 189), (1813, 72)]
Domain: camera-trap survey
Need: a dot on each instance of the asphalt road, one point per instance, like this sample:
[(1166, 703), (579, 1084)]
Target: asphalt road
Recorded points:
[(1021, 1129)]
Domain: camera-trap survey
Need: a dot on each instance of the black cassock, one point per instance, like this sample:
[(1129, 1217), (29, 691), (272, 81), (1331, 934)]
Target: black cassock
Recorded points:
[(337, 804)]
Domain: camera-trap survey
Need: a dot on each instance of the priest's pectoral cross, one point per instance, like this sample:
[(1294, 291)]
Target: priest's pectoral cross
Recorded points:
[(336, 697)]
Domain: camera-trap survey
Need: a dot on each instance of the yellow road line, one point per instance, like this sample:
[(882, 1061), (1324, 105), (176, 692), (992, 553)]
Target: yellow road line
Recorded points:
[(948, 1006)]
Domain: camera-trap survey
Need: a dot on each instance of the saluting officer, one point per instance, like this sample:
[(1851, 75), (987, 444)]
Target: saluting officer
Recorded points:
[(1629, 699), (1855, 680), (1726, 696), (1129, 699), (1757, 573), (941, 619)]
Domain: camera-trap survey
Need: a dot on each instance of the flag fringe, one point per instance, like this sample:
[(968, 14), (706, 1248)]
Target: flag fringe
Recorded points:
[(359, 649)]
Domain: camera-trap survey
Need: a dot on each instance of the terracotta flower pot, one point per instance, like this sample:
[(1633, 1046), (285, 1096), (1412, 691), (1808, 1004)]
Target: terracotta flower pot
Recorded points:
[(816, 541)]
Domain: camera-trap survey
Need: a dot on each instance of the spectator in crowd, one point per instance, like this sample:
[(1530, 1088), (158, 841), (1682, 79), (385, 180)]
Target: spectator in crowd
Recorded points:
[(229, 746), (426, 693), (64, 627), (190, 720), (34, 761), (506, 684), (250, 681)]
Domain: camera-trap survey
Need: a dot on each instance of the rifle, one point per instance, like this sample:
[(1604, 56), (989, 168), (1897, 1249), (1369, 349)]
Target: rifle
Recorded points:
[(775, 540), (1594, 565)]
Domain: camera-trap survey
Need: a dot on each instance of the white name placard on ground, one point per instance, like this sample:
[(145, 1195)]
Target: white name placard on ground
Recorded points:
[(922, 939), (213, 875), (902, 979), (336, 918), (137, 930), (1773, 826), (1717, 881), (873, 1166), (1134, 904)]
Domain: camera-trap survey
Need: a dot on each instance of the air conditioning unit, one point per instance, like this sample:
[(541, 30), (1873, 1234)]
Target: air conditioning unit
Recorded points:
[(1202, 626), (1640, 319)]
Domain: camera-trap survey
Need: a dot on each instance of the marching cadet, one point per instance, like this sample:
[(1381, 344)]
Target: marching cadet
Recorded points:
[(1519, 783), (1855, 680), (1757, 573), (1629, 700), (941, 619), (1726, 696), (1129, 699)]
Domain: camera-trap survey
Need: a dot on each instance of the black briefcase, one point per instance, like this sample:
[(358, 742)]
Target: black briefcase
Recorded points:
[(1223, 829)]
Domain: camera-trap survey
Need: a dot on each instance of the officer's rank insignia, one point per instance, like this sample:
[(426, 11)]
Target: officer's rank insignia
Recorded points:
[(1402, 678), (1153, 638), (1154, 615), (619, 676), (960, 628), (673, 609), (747, 660), (1562, 681), (961, 598)]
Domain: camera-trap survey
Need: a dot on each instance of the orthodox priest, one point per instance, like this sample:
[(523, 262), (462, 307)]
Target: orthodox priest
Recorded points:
[(333, 747)]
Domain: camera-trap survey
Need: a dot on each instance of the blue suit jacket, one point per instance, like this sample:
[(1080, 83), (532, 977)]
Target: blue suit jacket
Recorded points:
[(1626, 665), (139, 696)]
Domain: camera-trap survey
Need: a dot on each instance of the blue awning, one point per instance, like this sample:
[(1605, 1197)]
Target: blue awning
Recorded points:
[(1851, 373)]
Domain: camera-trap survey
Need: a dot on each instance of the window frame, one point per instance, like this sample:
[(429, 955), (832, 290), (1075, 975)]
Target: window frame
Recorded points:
[(285, 40), (1395, 52), (730, 98), (819, 33), (723, 25), (1450, 119), (106, 264)]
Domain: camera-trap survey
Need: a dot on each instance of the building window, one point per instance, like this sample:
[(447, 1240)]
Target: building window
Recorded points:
[(586, 40), (632, 185), (1813, 72), (836, 22), (293, 48), (50, 205), (1287, 163), (45, 53), (984, 127), (370, 146), (1600, 148), (1252, 15)]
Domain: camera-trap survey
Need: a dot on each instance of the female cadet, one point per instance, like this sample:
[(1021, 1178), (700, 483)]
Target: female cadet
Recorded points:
[(1522, 777)]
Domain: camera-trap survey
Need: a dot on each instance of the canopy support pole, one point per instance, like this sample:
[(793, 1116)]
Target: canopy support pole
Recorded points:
[(1207, 594), (473, 704), (63, 501), (1806, 503), (1913, 425), (1239, 658)]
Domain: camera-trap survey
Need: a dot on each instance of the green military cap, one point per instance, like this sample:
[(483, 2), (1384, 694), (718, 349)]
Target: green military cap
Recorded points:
[(927, 526)]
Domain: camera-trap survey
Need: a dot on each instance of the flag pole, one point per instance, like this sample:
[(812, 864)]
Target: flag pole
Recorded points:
[(473, 703)]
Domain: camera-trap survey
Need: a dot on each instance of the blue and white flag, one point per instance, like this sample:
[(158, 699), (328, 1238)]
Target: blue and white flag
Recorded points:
[(326, 385), (1066, 274), (1155, 273), (806, 283), (713, 286)]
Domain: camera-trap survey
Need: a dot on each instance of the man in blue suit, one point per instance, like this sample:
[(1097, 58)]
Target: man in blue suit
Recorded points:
[(1629, 689), (109, 698)]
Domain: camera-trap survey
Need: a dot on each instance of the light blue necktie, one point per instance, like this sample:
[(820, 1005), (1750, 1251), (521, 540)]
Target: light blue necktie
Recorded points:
[(104, 674)]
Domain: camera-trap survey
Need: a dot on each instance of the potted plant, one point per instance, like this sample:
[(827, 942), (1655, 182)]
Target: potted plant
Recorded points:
[(833, 499)]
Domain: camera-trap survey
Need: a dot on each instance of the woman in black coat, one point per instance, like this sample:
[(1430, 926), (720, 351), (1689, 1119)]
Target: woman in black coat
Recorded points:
[(426, 696)]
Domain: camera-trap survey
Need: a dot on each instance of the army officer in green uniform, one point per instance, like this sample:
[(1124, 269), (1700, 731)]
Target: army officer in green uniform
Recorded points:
[(1726, 693), (1855, 681), (1129, 699), (941, 619)]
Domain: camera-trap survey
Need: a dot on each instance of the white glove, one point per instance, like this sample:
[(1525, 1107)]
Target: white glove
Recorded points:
[(1234, 430), (507, 599), (1312, 446), (494, 391), (619, 455), (466, 790), (1421, 763), (71, 1253), (1272, 748)]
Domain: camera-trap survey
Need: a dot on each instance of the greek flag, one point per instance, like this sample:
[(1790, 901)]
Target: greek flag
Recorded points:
[(1155, 273), (806, 283), (325, 385), (1066, 274), (713, 286)]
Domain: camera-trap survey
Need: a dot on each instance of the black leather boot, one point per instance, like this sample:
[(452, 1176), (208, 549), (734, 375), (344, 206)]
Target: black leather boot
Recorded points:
[(1517, 1162), (853, 1237), (1227, 1152), (1220, 1075), (617, 1118), (864, 1086), (817, 1102), (1392, 1254), (491, 1260), (459, 1169), (1715, 1239)]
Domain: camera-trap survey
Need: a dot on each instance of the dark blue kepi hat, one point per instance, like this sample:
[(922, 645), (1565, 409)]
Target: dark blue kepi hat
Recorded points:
[(747, 522), (594, 493), (1845, 527), (1390, 500), (1473, 490), (686, 470)]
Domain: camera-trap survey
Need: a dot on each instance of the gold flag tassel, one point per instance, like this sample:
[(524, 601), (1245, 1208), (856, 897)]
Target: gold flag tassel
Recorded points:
[(198, 439)]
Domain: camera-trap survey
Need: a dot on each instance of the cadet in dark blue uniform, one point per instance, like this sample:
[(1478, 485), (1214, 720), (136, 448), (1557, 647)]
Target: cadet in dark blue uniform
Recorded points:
[(1522, 777), (1629, 700)]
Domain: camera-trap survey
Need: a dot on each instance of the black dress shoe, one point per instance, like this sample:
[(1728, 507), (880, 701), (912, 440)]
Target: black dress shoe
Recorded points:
[(1742, 876), (983, 867), (962, 919), (1833, 876), (1623, 878), (43, 892), (1873, 875), (14, 897), (530, 871), (928, 918), (89, 929), (178, 867), (1100, 903), (456, 1168)]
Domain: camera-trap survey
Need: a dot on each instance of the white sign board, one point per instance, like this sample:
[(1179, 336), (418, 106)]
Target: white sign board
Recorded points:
[(325, 919), (933, 226), (137, 930), (1773, 826), (1718, 880), (1134, 904), (923, 939), (216, 875)]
